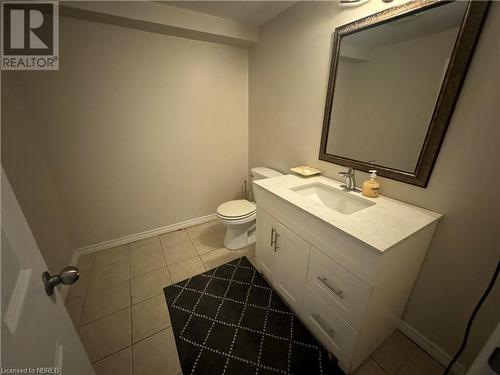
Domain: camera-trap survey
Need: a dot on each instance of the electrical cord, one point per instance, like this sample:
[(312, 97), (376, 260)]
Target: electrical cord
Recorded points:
[(471, 319)]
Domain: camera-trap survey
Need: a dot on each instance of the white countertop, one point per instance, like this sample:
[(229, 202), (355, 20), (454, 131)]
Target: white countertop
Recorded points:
[(381, 226)]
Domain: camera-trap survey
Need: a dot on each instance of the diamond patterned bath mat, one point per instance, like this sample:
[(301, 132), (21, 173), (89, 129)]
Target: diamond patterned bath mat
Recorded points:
[(230, 321)]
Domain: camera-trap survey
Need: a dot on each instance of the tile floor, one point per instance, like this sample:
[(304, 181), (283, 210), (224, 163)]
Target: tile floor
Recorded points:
[(119, 309)]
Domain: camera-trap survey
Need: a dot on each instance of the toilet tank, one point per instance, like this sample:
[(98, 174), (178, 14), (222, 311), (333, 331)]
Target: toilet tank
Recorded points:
[(259, 173)]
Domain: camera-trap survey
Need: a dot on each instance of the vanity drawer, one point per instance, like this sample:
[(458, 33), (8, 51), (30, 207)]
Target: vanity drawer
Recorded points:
[(338, 288), (328, 327)]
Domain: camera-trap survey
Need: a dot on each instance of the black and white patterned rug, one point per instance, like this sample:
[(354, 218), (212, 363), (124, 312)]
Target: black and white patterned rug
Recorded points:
[(230, 321)]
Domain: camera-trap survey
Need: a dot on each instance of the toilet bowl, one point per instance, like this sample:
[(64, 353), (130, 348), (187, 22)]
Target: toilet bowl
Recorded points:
[(239, 216)]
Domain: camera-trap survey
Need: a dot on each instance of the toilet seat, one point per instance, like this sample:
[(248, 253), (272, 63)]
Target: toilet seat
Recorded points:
[(232, 223), (239, 217), (236, 210)]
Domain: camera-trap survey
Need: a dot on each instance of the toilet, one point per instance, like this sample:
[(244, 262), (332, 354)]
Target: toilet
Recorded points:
[(238, 216)]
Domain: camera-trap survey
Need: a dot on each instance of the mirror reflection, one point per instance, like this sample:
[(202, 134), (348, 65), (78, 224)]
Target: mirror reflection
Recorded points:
[(388, 79)]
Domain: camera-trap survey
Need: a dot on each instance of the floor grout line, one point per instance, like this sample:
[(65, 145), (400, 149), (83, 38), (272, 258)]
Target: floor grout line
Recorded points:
[(130, 287), (195, 249), (152, 334), (123, 308), (105, 316), (210, 231), (177, 243), (379, 365), (127, 307), (110, 354), (136, 276), (106, 265), (173, 264), (166, 265), (131, 345), (114, 284), (130, 279), (85, 295)]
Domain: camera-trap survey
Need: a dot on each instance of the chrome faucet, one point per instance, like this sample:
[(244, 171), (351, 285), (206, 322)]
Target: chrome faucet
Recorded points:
[(350, 179)]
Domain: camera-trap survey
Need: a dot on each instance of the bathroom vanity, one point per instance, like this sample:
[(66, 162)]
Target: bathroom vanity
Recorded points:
[(346, 264)]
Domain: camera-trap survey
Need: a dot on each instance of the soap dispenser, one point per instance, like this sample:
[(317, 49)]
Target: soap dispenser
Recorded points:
[(371, 186)]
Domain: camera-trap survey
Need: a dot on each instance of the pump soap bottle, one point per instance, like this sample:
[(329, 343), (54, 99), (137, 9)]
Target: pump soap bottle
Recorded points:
[(371, 186)]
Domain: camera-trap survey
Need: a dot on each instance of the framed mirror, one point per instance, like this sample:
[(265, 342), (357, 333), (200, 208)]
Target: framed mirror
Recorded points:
[(395, 77)]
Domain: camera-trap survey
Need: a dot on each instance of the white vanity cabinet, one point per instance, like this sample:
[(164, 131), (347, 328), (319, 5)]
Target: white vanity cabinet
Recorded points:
[(282, 255), (351, 293), (265, 251)]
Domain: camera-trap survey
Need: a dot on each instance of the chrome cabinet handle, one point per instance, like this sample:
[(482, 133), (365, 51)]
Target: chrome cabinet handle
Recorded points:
[(323, 325), (276, 235), (325, 282), (272, 236)]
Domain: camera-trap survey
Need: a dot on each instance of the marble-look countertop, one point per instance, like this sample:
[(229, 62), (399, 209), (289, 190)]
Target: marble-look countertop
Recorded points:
[(381, 225)]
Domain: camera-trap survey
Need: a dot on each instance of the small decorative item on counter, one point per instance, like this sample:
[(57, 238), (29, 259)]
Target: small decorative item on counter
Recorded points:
[(371, 186), (306, 171)]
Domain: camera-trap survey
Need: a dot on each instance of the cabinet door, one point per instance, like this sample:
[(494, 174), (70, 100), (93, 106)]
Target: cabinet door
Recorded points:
[(291, 269), (265, 252)]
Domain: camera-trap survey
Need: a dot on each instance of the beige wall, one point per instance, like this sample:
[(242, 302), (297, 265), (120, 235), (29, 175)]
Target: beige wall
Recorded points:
[(139, 130), (288, 80)]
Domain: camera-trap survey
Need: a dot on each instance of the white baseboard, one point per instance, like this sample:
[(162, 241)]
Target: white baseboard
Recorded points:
[(140, 236), (132, 238), (435, 351)]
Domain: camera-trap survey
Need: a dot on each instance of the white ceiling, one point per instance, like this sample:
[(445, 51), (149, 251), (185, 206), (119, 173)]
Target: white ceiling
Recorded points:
[(253, 13)]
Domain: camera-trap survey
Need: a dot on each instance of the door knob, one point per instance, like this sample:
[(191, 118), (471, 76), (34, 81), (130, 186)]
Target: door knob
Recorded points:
[(67, 276)]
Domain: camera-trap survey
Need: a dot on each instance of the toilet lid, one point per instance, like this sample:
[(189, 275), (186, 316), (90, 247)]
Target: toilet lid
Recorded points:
[(236, 209)]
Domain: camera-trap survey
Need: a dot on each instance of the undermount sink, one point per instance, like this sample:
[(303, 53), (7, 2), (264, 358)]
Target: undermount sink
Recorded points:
[(333, 198)]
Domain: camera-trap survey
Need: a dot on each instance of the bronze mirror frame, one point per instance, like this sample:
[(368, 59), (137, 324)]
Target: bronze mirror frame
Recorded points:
[(461, 56)]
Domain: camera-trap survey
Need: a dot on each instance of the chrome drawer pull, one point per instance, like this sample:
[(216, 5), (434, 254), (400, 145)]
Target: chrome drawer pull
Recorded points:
[(272, 236), (323, 325), (338, 292)]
